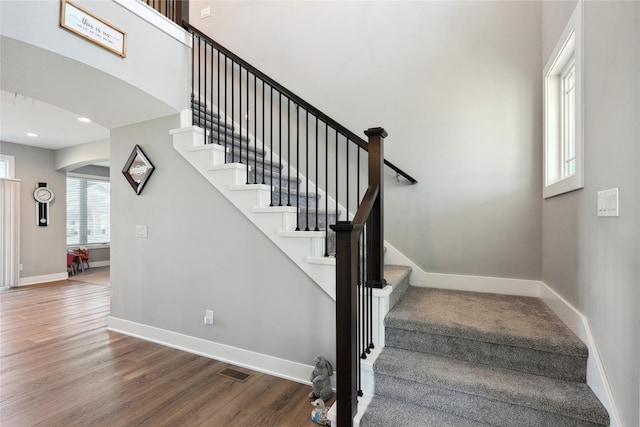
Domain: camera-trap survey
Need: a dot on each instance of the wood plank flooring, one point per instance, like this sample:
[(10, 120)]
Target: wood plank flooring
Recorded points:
[(59, 366)]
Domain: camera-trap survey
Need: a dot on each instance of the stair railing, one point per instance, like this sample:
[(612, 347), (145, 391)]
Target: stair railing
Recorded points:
[(174, 10), (359, 269), (304, 156), (311, 161)]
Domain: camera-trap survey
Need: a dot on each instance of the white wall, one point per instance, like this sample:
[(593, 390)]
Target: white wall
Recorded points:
[(592, 261), (202, 254), (82, 155), (457, 86)]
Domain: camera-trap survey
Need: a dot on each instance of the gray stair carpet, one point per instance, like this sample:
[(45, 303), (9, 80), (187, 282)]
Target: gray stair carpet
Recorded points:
[(262, 168), (485, 358)]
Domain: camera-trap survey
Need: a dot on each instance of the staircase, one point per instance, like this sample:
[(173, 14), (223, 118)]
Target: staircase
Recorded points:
[(457, 358), (451, 358), (278, 205)]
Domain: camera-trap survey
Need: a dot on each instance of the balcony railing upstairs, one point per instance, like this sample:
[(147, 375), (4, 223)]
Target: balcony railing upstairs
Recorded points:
[(175, 10)]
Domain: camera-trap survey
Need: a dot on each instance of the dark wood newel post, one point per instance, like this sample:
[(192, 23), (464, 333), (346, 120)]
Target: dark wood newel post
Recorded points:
[(346, 321), (347, 259), (375, 224)]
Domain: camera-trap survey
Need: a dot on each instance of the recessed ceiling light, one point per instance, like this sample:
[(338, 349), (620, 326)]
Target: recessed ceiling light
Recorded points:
[(84, 119), (31, 134)]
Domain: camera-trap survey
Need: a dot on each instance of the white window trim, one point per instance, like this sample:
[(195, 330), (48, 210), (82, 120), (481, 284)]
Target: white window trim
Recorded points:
[(11, 165), (569, 46)]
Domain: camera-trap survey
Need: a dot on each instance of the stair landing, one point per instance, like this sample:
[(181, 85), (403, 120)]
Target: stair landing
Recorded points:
[(486, 358), (480, 327)]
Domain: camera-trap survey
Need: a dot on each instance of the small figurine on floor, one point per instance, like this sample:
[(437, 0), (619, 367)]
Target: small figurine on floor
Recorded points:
[(319, 415), (320, 381)]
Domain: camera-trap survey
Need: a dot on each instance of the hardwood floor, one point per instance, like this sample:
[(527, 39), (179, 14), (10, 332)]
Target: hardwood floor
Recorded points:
[(59, 366)]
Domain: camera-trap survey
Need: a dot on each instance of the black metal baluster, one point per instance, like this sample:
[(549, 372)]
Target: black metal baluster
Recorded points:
[(233, 110), (360, 286), (279, 148), (240, 109), (298, 167), (193, 81), (203, 98), (326, 189), (317, 183), (210, 113), (271, 142), (289, 152), (255, 128), (306, 152), (218, 97), (337, 192), (346, 145), (248, 120), (264, 94), (226, 83), (203, 125)]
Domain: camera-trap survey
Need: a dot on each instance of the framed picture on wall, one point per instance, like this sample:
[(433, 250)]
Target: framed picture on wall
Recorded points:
[(138, 169)]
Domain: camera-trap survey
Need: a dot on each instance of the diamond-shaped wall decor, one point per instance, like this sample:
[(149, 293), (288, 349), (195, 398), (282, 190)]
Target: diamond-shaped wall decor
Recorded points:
[(138, 169)]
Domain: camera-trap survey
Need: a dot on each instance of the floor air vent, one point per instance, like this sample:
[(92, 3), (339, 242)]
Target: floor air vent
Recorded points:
[(234, 375)]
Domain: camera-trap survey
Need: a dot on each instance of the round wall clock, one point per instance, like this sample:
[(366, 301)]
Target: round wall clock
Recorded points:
[(43, 194)]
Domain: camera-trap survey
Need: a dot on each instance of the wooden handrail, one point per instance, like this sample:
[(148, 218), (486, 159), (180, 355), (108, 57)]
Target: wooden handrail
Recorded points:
[(294, 98)]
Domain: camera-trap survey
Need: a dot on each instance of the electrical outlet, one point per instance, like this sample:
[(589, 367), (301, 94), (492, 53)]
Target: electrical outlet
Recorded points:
[(208, 317), (205, 13), (21, 267)]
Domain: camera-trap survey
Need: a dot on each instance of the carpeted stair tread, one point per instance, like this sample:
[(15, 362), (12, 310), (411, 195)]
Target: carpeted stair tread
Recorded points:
[(421, 377), (387, 412), (500, 319), (398, 277), (395, 274)]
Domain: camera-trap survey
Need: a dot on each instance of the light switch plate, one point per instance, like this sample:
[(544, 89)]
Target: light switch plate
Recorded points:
[(141, 231), (608, 204)]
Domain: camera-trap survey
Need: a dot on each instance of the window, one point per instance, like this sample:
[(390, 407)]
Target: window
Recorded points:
[(563, 113), (88, 210), (7, 166)]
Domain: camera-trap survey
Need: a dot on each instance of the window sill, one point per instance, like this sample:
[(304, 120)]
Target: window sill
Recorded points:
[(566, 185), (90, 246)]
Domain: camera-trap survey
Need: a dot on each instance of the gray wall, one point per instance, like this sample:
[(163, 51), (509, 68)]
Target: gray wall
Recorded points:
[(457, 86), (42, 249), (196, 257), (593, 262)]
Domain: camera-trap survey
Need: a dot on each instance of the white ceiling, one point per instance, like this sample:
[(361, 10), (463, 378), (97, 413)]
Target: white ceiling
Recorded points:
[(56, 128), (45, 93)]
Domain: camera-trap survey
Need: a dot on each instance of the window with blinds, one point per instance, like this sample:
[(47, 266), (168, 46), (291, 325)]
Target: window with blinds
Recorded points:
[(88, 211)]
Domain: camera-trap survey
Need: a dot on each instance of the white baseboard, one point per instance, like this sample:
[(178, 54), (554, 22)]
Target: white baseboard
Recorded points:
[(458, 282), (579, 324), (34, 280), (270, 365)]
